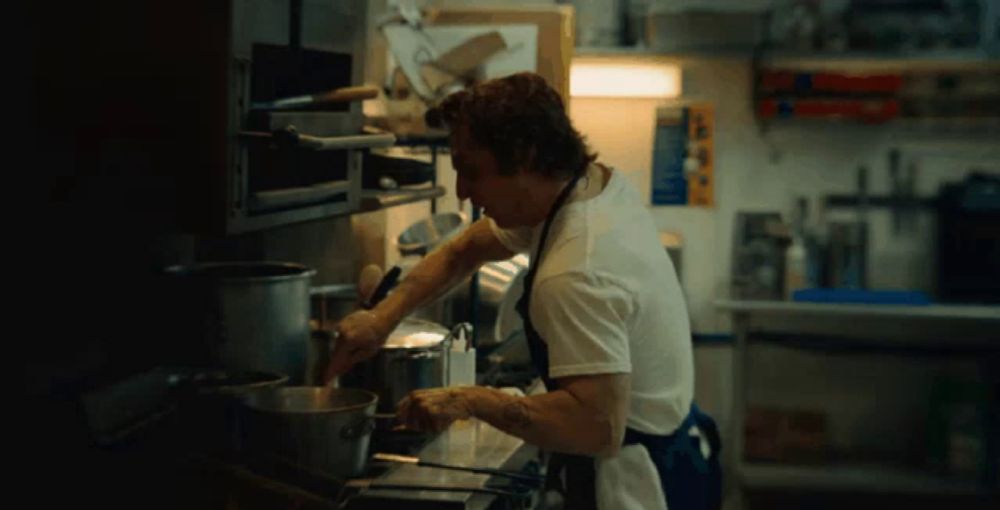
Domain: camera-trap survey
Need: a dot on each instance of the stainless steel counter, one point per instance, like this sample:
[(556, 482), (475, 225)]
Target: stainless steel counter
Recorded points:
[(952, 327), (471, 443)]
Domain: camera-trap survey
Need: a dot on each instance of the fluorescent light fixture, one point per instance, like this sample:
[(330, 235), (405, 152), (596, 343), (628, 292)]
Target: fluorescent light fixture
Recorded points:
[(626, 80)]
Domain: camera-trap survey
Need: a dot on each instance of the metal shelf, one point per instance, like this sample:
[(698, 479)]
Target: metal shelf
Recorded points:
[(942, 329), (376, 200), (855, 478), (917, 62), (653, 53), (951, 312)]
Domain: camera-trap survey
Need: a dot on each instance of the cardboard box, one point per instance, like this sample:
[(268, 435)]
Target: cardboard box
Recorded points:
[(555, 33)]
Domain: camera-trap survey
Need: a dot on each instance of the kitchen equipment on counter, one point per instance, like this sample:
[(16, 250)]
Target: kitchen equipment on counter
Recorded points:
[(847, 255), (462, 356), (758, 255), (325, 430), (245, 316), (499, 286), (968, 243), (415, 356), (423, 236)]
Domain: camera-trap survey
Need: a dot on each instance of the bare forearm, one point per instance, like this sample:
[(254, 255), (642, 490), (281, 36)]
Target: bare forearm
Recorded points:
[(444, 268), (436, 274), (555, 421)]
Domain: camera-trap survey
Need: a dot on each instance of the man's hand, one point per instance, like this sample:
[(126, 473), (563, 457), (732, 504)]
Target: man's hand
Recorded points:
[(434, 409), (359, 336)]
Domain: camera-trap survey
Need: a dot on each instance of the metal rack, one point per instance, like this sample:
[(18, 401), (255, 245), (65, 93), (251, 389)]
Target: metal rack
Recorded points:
[(936, 330)]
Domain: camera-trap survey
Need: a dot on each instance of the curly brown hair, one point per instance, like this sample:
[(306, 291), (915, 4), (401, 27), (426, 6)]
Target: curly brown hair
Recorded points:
[(521, 120)]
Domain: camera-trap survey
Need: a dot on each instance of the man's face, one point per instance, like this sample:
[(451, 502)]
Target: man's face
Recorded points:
[(479, 180)]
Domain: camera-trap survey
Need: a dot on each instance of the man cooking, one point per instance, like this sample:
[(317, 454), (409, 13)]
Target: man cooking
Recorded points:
[(603, 312)]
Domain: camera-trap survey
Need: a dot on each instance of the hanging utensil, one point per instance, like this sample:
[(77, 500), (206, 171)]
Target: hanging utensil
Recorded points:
[(322, 339), (339, 95), (387, 283), (512, 491)]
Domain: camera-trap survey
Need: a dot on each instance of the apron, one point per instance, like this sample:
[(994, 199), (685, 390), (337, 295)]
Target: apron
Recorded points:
[(689, 480)]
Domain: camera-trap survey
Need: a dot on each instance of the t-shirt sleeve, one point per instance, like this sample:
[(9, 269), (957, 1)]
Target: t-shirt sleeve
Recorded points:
[(584, 321), (517, 240)]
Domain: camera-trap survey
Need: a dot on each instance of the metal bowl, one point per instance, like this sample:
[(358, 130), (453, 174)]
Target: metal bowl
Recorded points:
[(425, 235)]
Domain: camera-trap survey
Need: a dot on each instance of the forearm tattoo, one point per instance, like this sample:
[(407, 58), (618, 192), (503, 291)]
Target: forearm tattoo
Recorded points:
[(515, 414)]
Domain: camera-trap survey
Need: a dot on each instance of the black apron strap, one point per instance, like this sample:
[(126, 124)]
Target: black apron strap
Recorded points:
[(536, 346), (563, 470)]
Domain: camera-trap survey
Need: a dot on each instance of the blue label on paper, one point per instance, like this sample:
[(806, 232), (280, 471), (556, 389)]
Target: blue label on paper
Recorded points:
[(669, 184)]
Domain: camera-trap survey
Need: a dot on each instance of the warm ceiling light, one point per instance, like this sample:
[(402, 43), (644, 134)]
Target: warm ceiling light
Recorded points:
[(607, 79)]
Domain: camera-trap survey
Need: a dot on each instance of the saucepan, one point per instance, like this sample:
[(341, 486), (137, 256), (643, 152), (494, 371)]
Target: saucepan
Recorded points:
[(328, 430), (320, 429)]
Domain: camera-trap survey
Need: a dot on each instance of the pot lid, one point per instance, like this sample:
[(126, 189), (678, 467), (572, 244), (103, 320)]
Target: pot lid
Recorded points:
[(416, 334)]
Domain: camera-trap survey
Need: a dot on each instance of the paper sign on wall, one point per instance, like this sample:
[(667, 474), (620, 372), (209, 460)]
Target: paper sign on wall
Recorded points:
[(413, 48), (683, 157)]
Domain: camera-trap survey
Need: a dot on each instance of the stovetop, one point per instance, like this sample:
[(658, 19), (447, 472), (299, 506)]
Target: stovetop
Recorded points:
[(223, 478), (246, 482)]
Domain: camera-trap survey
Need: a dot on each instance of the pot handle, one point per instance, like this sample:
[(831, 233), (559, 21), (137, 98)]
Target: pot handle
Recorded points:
[(362, 426), (420, 354)]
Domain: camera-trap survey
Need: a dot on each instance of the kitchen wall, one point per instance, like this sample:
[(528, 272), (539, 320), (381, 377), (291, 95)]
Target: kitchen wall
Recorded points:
[(764, 168)]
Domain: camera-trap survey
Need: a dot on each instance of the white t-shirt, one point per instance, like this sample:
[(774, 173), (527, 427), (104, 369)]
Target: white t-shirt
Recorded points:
[(606, 299)]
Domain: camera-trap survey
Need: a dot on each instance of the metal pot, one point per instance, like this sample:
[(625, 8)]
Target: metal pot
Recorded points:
[(209, 404), (324, 430), (415, 356), (423, 236), (248, 315)]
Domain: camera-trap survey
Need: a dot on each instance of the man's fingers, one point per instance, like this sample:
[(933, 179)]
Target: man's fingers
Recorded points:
[(403, 409)]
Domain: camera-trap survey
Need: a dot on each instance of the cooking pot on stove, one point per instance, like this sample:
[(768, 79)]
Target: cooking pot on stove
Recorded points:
[(415, 356), (244, 316), (323, 430)]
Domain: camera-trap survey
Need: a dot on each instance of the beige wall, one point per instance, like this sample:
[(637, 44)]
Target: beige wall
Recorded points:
[(761, 169)]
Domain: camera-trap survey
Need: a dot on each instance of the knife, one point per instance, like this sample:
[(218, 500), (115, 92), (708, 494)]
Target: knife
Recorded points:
[(384, 286), (341, 95)]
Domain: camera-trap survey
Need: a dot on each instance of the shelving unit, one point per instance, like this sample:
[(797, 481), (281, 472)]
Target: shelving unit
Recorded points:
[(436, 141), (375, 200), (971, 332), (881, 62), (652, 53), (947, 90)]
